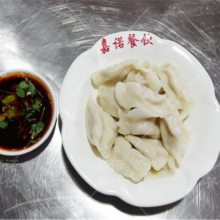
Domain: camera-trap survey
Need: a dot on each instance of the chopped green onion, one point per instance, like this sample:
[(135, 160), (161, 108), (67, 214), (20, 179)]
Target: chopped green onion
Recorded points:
[(8, 99), (36, 129), (3, 124)]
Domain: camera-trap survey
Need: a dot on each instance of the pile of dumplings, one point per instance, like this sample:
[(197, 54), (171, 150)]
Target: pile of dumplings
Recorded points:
[(137, 120)]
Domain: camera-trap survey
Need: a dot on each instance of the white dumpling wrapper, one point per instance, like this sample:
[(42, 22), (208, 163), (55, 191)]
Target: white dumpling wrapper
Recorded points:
[(152, 149), (128, 161), (171, 163), (106, 99), (145, 76), (112, 74), (131, 95), (93, 122), (176, 89), (101, 128), (138, 122), (175, 136)]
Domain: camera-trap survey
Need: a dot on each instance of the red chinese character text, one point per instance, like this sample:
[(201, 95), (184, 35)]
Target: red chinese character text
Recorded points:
[(119, 42), (146, 40), (105, 47), (132, 40)]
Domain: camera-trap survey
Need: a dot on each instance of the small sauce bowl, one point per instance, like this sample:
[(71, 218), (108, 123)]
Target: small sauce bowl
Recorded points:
[(28, 112)]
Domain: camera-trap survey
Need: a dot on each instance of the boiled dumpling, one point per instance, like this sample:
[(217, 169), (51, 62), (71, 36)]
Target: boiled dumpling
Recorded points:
[(152, 149), (94, 123), (106, 99), (141, 113), (112, 74), (131, 94), (138, 122), (176, 89), (109, 134), (145, 76), (128, 161), (101, 128), (175, 136), (171, 163)]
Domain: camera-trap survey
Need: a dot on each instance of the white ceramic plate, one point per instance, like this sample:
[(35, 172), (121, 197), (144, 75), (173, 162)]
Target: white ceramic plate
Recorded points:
[(204, 121)]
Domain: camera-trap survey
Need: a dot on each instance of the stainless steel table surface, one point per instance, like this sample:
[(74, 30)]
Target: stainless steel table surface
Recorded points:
[(45, 37)]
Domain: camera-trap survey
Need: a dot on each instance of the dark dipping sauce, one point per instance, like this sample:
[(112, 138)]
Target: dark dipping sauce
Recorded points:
[(26, 110)]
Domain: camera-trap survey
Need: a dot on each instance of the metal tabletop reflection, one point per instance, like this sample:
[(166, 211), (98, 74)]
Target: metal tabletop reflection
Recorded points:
[(45, 36)]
